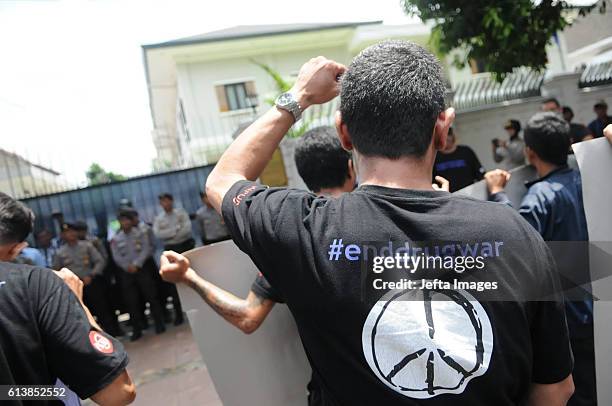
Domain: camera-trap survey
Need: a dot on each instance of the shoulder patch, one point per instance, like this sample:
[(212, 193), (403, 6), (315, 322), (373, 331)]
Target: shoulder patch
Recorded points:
[(100, 343)]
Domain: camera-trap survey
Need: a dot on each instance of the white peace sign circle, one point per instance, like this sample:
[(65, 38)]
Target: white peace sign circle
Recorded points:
[(424, 343)]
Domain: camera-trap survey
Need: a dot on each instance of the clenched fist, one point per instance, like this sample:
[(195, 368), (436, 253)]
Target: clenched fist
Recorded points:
[(497, 180), (317, 81), (175, 268)]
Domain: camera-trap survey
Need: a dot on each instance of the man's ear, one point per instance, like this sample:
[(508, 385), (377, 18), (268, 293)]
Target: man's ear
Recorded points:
[(443, 123), (352, 175), (530, 154), (14, 251), (343, 134)]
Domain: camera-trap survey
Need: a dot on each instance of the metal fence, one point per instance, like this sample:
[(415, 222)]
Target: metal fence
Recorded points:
[(97, 205), (483, 90), (596, 75)]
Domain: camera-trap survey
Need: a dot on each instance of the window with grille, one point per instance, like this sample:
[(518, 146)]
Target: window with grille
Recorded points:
[(236, 96)]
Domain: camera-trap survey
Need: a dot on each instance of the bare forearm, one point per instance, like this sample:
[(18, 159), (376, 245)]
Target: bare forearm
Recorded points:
[(556, 394), (249, 154), (228, 306)]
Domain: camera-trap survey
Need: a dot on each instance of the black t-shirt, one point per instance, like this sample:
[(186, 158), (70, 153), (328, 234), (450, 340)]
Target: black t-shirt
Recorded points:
[(461, 167), (262, 288), (294, 237), (578, 132), (45, 335)]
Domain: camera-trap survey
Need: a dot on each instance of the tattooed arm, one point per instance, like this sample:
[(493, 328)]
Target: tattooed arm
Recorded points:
[(246, 314)]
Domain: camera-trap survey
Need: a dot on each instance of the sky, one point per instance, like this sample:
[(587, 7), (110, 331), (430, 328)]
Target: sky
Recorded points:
[(72, 83)]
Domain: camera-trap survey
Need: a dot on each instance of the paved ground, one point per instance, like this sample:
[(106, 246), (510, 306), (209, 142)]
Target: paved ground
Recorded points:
[(168, 370)]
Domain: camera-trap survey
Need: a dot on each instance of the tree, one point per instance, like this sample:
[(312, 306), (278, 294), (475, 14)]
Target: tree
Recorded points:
[(500, 34), (96, 175)]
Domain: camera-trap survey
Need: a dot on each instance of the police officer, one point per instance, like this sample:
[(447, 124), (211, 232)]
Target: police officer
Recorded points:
[(132, 253), (82, 258), (173, 227), (83, 234)]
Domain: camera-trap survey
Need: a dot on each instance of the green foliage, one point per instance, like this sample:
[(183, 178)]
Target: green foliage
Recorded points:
[(96, 175), (283, 86), (502, 34)]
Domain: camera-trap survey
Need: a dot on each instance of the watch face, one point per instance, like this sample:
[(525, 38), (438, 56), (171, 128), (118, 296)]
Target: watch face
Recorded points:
[(285, 99)]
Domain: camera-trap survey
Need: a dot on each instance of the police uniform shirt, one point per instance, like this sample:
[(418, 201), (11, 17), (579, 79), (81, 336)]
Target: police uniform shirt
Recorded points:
[(431, 347), (45, 335), (132, 248), (173, 227), (211, 224), (82, 258), (148, 231)]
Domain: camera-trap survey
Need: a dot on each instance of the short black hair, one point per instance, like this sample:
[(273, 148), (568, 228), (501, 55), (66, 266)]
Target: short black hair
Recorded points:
[(568, 110), (80, 225), (391, 96), (16, 220), (547, 134), (127, 213), (320, 159), (165, 196), (552, 100), (202, 194)]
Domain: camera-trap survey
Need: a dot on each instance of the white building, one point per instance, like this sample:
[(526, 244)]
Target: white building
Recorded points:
[(203, 88), (21, 178)]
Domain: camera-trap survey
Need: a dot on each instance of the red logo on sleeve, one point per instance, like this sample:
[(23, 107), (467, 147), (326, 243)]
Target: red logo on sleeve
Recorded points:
[(100, 343), (238, 198)]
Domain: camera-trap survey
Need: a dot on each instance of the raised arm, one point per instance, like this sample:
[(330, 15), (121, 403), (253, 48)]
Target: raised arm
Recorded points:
[(249, 154), (245, 314)]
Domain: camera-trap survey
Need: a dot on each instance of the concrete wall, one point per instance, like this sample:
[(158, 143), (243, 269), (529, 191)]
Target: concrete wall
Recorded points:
[(477, 127)]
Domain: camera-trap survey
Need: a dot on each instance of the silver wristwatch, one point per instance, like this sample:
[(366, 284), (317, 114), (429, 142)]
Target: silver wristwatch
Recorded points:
[(287, 101)]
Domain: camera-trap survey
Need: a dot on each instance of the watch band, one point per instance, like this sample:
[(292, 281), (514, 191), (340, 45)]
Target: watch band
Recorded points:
[(287, 101)]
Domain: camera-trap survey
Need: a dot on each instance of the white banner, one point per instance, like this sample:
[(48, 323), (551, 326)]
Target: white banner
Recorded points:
[(515, 189), (268, 367), (595, 161)]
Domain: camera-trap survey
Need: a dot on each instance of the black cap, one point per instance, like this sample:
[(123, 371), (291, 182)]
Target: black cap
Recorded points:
[(80, 225), (127, 213), (513, 124), (69, 226)]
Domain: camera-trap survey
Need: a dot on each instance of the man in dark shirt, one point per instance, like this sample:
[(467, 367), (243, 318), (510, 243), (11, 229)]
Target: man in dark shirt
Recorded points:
[(601, 121), (553, 206), (458, 164), (46, 332), (327, 169), (375, 348), (577, 132)]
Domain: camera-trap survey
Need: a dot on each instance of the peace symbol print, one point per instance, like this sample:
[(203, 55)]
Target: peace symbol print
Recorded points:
[(424, 343)]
